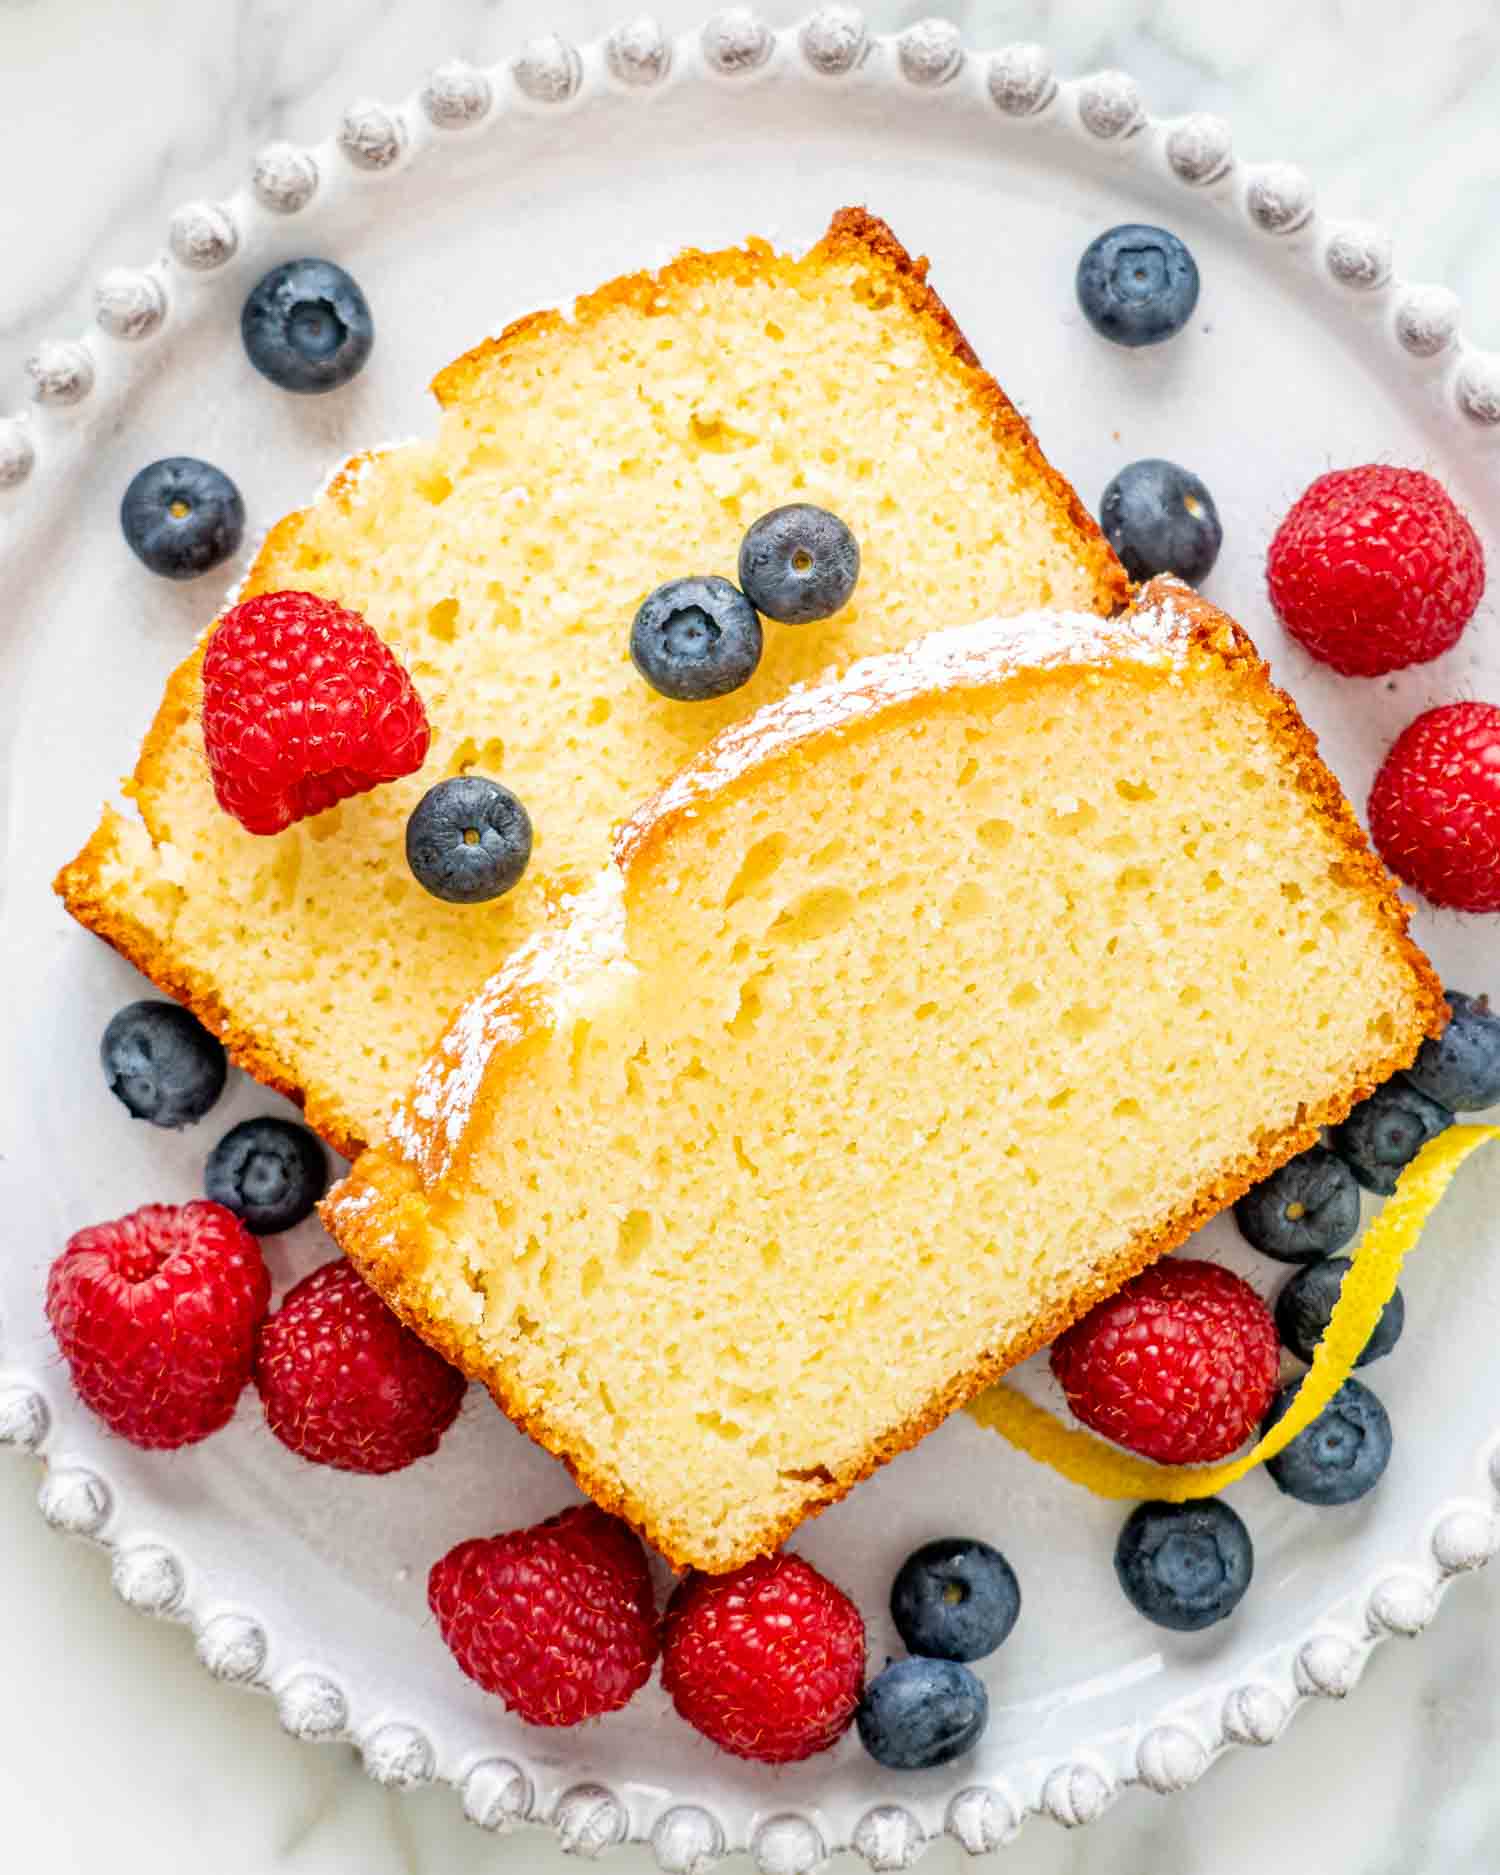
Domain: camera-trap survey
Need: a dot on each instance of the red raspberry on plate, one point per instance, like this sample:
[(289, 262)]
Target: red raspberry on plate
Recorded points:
[(346, 1384), (1435, 806), (559, 1620), (155, 1315), (767, 1662), (1180, 1365), (303, 706), (1375, 568)]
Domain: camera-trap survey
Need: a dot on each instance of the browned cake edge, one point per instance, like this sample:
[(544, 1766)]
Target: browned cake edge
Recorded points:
[(81, 883), (381, 1215)]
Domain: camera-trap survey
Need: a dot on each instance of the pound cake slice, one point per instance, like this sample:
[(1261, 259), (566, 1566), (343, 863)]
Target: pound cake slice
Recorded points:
[(912, 1017), (581, 460)]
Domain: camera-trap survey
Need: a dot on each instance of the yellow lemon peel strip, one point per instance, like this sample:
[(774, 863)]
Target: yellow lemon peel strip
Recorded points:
[(1368, 1285)]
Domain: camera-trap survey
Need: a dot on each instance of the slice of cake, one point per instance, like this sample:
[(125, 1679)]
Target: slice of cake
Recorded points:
[(581, 461), (914, 1016)]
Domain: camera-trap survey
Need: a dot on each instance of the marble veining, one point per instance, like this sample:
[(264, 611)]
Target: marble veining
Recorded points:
[(135, 110)]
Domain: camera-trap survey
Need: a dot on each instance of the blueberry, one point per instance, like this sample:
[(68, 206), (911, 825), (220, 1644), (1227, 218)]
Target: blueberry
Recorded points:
[(1307, 1208), (919, 1713), (182, 517), (270, 1173), (162, 1063), (798, 564), (307, 326), (1385, 1133), (1137, 285), (1462, 1070), (1341, 1455), (696, 638), (1161, 519), (1306, 1302), (1184, 1566), (468, 840), (955, 1599)]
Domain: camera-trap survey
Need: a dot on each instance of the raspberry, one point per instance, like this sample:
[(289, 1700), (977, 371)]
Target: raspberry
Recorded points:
[(1375, 568), (1179, 1366), (1435, 806), (155, 1315), (303, 706), (345, 1384), (559, 1620), (767, 1662), (594, 1537)]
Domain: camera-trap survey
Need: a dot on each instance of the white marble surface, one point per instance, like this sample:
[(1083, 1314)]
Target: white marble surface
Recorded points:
[(115, 1751)]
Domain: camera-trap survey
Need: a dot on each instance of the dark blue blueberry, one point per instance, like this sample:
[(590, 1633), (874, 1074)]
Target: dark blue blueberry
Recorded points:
[(1137, 285), (182, 517), (1341, 1455), (1161, 519), (1385, 1133), (696, 638), (798, 564), (919, 1713), (1305, 1209), (270, 1173), (955, 1599), (162, 1063), (1306, 1302), (1184, 1566), (307, 327), (468, 840), (1462, 1070)]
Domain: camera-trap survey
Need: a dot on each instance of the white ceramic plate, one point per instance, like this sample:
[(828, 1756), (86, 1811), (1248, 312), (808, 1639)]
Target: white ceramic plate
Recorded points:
[(486, 195)]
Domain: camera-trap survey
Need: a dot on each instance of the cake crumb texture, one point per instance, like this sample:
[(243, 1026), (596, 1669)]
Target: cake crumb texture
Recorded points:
[(913, 1017), (580, 461)]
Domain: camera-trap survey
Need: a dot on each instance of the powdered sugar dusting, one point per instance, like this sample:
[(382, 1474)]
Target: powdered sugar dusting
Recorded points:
[(591, 953), (236, 591), (965, 656), (353, 470), (348, 1201), (348, 476), (356, 1203), (561, 973)]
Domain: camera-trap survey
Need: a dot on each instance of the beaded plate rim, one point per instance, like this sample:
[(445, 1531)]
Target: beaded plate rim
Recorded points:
[(133, 311)]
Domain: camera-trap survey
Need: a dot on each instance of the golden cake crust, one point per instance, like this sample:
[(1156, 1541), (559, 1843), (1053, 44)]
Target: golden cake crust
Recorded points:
[(382, 1215), (83, 884)]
